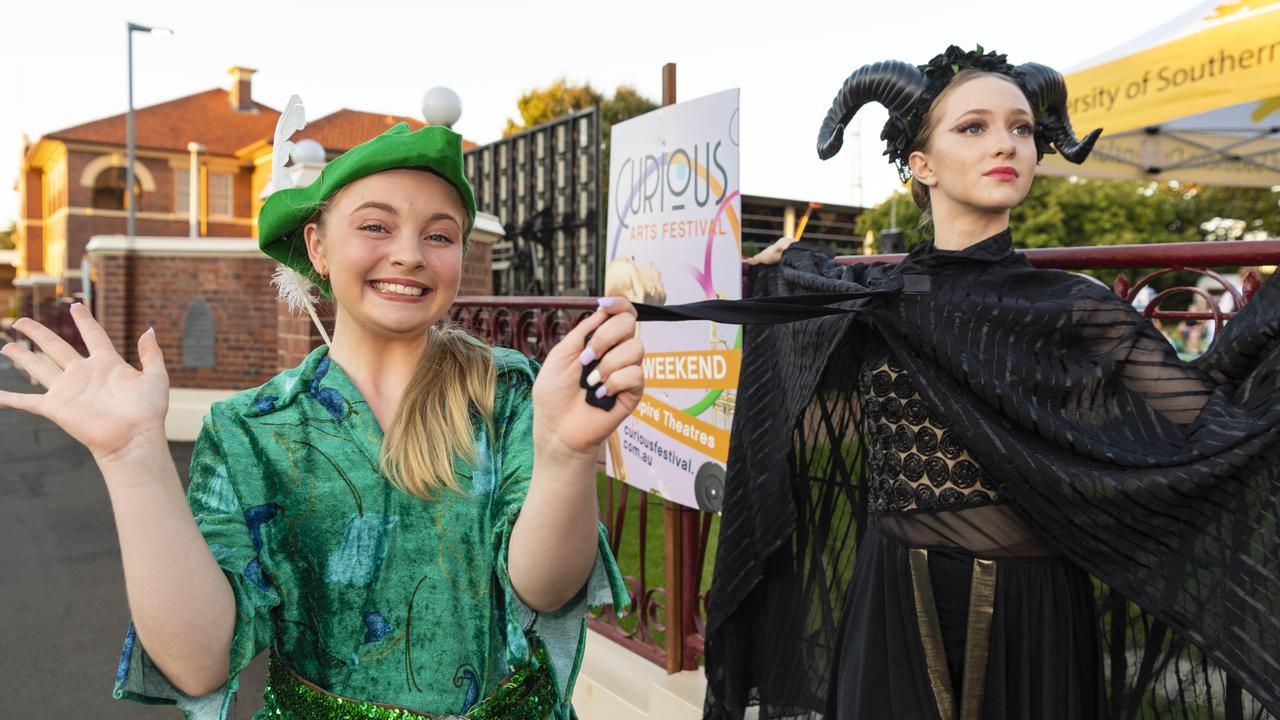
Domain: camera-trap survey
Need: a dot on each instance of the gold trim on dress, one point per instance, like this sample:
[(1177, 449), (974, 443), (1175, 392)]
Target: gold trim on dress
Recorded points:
[(935, 654), (977, 642)]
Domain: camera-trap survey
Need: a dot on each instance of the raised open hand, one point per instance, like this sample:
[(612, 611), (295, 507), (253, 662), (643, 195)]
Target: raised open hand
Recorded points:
[(560, 412), (101, 401)]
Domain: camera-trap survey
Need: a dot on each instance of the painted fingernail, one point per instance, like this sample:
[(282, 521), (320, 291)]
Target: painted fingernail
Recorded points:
[(588, 356), (593, 378), (151, 330), (601, 392), (605, 302)]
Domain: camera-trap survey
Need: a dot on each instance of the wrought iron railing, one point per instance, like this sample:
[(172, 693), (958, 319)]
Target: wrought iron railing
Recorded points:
[(671, 634), (1198, 258), (531, 325)]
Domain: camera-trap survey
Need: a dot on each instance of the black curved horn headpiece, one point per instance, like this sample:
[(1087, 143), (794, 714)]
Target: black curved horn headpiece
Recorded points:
[(1047, 91), (894, 84), (907, 91)]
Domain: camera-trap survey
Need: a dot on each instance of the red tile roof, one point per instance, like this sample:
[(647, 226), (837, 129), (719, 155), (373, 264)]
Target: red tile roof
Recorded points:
[(341, 130), (207, 118)]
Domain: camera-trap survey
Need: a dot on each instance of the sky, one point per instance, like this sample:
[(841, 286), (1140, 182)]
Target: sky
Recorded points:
[(65, 62)]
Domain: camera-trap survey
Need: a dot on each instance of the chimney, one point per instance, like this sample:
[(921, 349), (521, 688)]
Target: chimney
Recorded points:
[(242, 89)]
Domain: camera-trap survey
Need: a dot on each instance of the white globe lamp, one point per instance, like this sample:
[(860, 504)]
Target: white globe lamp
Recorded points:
[(441, 106), (308, 151)]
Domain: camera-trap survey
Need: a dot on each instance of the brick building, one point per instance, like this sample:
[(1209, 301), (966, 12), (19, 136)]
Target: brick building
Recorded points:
[(206, 292), (72, 181)]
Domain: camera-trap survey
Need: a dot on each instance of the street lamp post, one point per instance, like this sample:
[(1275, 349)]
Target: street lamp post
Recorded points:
[(130, 144)]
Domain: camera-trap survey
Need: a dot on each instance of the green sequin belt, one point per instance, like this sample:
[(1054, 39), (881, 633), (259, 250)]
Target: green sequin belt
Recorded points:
[(528, 693)]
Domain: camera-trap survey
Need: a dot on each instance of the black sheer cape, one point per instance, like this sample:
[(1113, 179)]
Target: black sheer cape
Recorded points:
[(1160, 478)]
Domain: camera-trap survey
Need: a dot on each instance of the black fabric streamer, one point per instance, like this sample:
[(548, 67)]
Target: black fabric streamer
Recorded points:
[(1160, 478)]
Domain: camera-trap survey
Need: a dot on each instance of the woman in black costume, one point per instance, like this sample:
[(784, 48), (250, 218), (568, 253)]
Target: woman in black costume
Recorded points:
[(986, 439), (943, 549)]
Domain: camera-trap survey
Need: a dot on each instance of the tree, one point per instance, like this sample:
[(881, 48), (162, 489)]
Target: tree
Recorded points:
[(896, 212), (559, 99), (556, 100), (1060, 212), (6, 237), (625, 104)]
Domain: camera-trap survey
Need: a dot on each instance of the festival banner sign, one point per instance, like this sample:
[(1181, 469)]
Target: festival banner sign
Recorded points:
[(675, 236)]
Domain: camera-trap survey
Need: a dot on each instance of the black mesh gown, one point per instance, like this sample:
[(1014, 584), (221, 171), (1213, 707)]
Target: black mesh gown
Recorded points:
[(956, 609), (1052, 515)]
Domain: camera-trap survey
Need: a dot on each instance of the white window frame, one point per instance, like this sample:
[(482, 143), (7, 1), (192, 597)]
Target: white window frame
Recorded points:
[(216, 195), (182, 189)]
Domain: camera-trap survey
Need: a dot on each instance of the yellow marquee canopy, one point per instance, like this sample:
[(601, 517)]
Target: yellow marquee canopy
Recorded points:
[(1195, 100)]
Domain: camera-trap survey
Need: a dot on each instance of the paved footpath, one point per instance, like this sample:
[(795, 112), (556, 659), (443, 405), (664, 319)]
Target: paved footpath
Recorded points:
[(62, 601)]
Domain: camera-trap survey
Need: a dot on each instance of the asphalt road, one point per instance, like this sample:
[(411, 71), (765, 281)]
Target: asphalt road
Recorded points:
[(62, 601)]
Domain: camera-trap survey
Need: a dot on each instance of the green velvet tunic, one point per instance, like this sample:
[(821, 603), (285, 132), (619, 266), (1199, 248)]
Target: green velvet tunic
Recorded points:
[(367, 591)]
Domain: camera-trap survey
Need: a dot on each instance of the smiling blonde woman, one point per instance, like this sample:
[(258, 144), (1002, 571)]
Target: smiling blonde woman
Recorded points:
[(406, 520)]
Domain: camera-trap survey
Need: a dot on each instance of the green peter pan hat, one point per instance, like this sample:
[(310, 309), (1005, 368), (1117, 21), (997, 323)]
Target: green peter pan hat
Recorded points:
[(284, 213)]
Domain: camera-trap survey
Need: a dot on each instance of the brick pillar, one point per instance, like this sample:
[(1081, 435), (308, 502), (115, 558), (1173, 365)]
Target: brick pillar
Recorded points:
[(477, 270), (156, 282), (296, 335), (477, 266), (110, 298)]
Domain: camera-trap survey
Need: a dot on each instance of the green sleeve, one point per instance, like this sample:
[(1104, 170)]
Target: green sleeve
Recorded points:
[(235, 531), (562, 632)]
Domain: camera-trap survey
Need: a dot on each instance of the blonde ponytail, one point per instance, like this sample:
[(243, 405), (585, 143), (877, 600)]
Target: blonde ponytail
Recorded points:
[(452, 386)]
